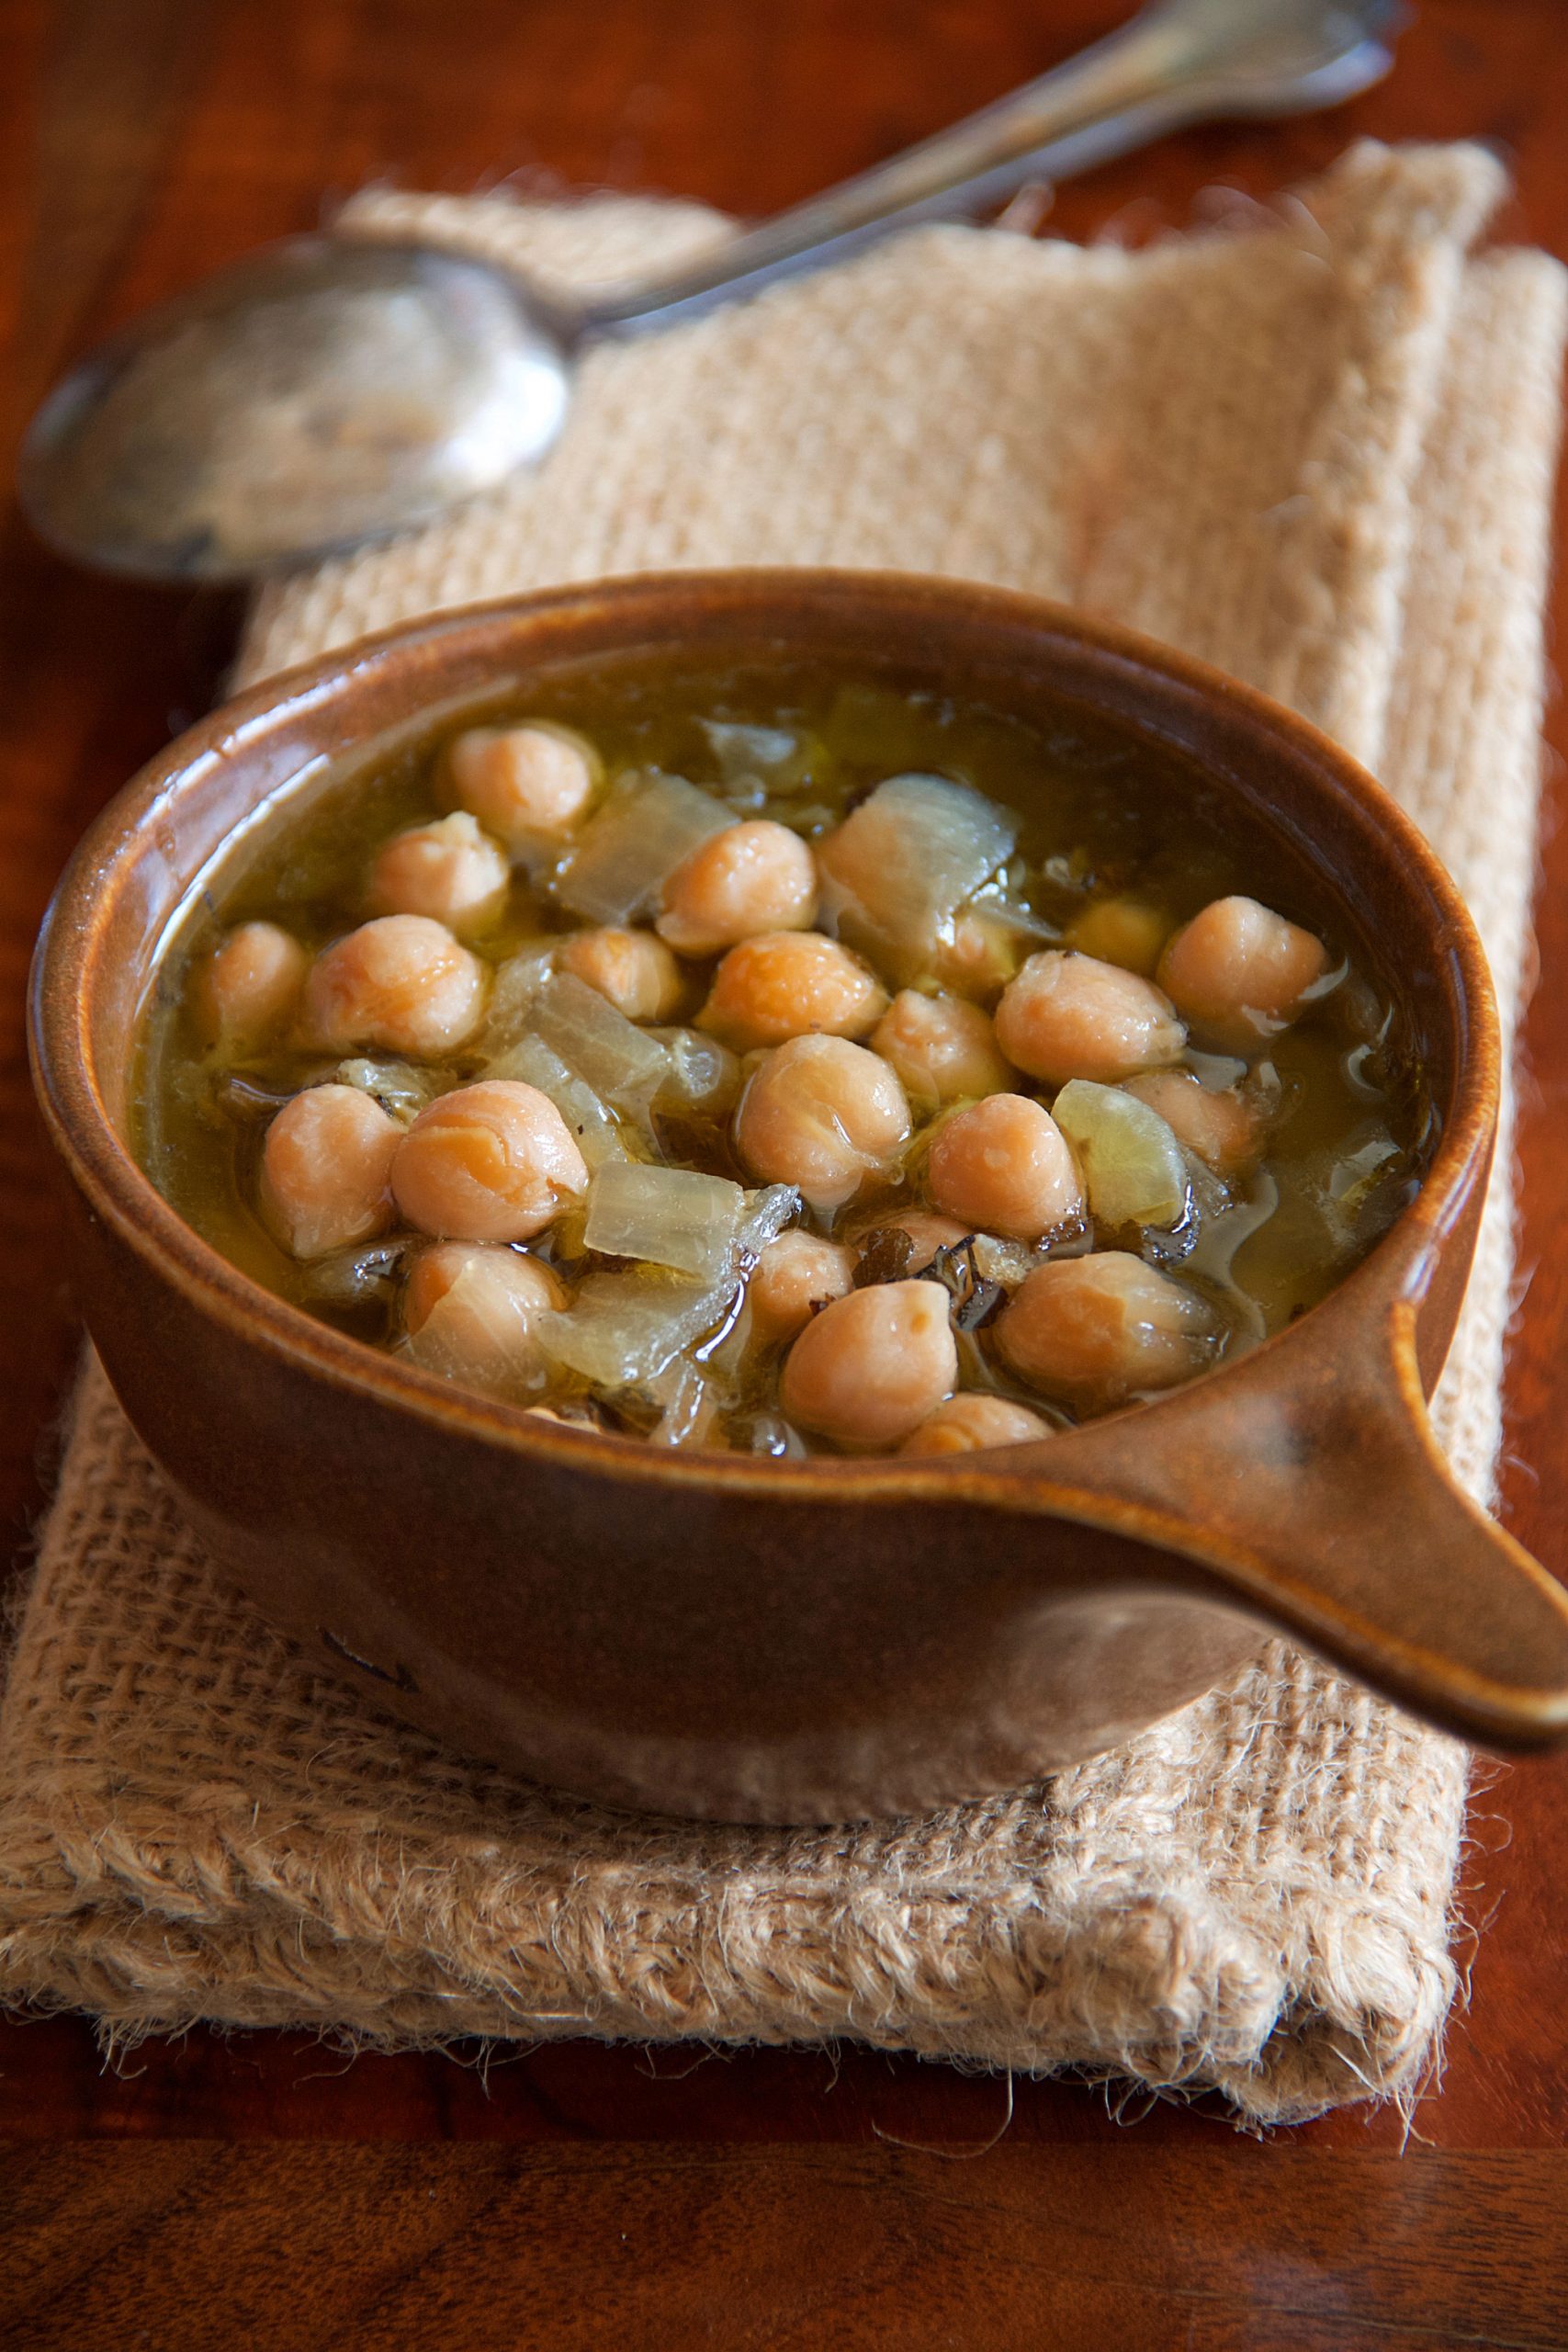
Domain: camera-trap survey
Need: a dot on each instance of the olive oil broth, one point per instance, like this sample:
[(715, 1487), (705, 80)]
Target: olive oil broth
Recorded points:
[(1103, 817)]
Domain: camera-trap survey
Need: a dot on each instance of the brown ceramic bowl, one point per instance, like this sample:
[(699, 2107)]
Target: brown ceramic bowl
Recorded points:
[(714, 1635)]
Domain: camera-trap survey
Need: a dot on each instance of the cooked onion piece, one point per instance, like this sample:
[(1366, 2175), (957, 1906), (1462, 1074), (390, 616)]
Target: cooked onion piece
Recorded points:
[(516, 982), (703, 1075), (824, 1114), (688, 1406), (672, 1216), (1097, 1330), (622, 1329), (1132, 1163), (779, 756), (1241, 973), (873, 1365), (1071, 1016), (402, 1090), (402, 982), (595, 1129), (326, 1171), (766, 1213), (491, 1162), (625, 1331), (648, 825), (620, 1060), (897, 869), (788, 984)]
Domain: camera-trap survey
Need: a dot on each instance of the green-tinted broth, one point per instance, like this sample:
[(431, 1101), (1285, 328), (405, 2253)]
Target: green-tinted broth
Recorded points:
[(1100, 813)]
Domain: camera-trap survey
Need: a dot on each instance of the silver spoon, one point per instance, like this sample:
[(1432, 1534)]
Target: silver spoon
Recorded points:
[(331, 390)]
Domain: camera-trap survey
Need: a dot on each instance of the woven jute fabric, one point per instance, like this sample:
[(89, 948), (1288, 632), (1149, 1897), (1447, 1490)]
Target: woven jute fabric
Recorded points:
[(1317, 447)]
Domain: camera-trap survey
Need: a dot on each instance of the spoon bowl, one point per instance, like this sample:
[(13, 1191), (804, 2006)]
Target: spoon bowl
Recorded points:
[(321, 393)]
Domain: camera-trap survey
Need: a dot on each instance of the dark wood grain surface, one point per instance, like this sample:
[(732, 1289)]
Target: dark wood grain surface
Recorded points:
[(266, 2192)]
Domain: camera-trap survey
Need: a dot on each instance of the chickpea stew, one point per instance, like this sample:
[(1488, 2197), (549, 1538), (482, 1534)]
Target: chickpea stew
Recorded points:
[(780, 1062)]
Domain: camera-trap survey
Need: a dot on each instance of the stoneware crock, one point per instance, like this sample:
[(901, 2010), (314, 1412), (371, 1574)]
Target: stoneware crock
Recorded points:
[(711, 1635)]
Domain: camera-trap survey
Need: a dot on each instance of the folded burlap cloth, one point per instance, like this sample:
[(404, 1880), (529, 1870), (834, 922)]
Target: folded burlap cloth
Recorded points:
[(1315, 445)]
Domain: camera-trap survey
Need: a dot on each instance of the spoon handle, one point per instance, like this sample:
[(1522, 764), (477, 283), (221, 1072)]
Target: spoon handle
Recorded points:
[(1177, 61)]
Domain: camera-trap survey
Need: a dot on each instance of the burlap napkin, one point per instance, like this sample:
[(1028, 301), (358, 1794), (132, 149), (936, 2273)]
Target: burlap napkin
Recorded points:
[(1316, 449)]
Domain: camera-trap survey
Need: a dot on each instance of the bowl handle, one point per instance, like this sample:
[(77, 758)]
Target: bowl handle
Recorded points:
[(1321, 1501)]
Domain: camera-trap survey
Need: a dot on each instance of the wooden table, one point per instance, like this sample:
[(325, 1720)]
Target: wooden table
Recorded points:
[(267, 2193)]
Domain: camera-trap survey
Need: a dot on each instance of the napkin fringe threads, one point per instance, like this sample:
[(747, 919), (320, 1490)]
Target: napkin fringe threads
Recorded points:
[(1317, 449)]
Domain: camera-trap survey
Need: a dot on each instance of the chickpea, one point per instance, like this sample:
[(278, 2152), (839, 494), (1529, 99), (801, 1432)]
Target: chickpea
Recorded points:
[(1220, 1127), (942, 1048), (786, 984), (469, 1309), (1067, 1015), (795, 1273), (449, 870), (980, 955), (821, 1114), (326, 1171), (636, 971), (971, 1421), (753, 877), (1095, 1330), (1240, 973), (873, 1365), (523, 784), (1121, 931), (1004, 1166), (491, 1162), (249, 987), (400, 981)]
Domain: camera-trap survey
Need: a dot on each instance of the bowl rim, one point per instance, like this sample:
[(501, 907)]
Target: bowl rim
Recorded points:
[(118, 1190)]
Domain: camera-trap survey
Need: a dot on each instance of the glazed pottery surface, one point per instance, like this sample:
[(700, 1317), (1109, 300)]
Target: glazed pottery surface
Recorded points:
[(713, 1635)]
